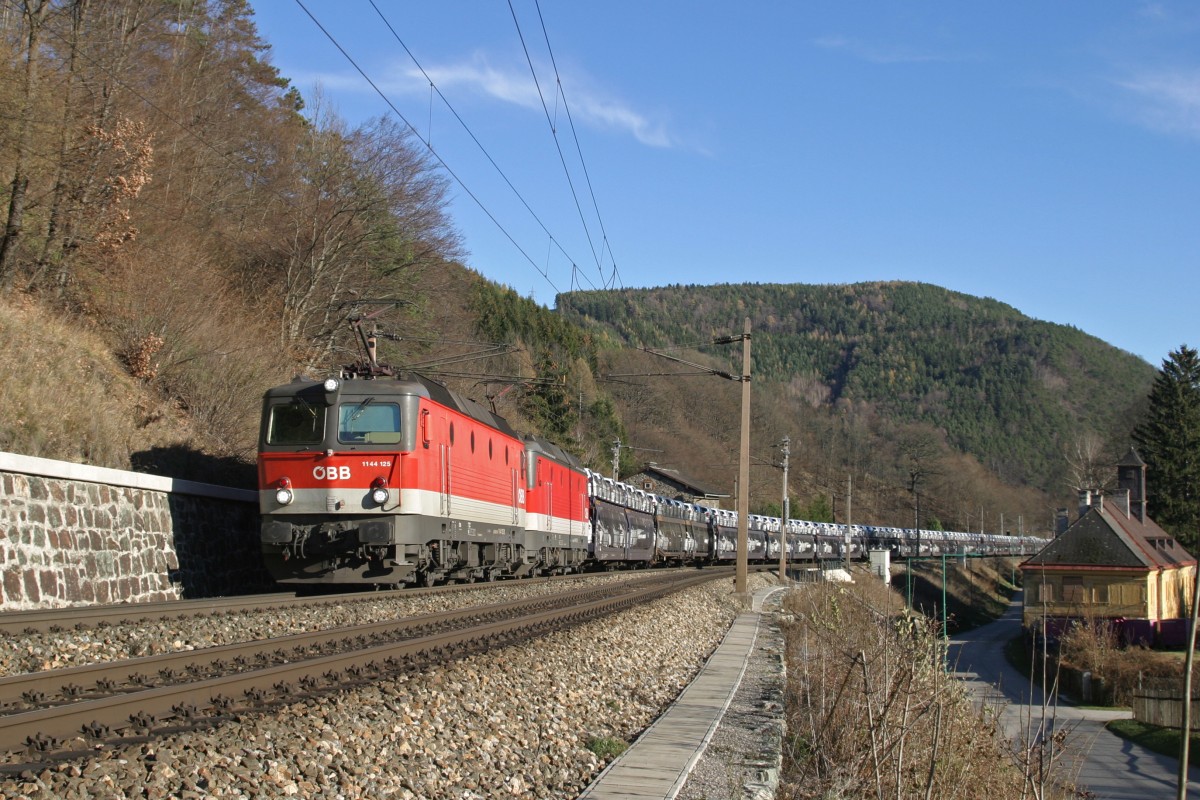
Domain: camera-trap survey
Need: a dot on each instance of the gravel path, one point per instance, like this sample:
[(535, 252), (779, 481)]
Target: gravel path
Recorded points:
[(517, 723)]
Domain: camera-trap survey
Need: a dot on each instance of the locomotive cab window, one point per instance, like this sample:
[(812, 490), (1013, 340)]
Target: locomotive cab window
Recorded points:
[(298, 422), (369, 422)]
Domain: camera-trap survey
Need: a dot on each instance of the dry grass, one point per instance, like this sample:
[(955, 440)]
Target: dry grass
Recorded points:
[(76, 394), (65, 395), (872, 712)]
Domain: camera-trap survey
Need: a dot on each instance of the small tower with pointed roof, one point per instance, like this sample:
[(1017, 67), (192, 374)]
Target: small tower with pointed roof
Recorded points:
[(1131, 476)]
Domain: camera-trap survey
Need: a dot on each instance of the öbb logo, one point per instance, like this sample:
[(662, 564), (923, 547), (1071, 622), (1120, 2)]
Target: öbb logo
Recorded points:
[(331, 473)]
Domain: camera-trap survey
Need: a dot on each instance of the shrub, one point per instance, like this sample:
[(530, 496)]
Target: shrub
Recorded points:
[(1091, 644)]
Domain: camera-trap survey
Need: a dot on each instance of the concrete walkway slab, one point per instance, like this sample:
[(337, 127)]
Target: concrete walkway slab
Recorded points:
[(657, 765)]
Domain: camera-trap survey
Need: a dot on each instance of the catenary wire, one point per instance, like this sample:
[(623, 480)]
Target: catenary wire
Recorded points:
[(429, 147), (554, 132), (433, 87), (606, 244)]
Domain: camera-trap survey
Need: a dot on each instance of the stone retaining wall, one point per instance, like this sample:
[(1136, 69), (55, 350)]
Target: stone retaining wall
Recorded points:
[(73, 534)]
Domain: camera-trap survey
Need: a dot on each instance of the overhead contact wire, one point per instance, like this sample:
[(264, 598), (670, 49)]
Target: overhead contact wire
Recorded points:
[(430, 147), (433, 88), (578, 147), (554, 133)]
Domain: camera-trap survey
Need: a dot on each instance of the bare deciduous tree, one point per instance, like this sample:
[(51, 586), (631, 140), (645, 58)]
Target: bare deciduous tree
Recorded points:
[(1089, 464), (34, 13)]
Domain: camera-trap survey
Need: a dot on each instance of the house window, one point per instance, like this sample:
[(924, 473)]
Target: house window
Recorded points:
[(1046, 592), (1073, 591), (1100, 594)]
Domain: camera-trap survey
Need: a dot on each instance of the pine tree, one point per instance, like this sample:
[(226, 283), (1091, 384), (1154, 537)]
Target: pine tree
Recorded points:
[(1168, 439)]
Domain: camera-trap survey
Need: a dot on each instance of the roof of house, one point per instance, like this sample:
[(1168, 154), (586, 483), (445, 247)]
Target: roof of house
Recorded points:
[(677, 478), (1108, 537)]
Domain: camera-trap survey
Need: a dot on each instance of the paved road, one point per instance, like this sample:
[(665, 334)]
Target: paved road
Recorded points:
[(1105, 764)]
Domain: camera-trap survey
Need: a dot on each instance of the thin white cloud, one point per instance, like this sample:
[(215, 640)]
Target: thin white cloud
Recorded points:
[(1153, 11), (516, 87), (479, 76), (882, 53), (513, 86), (1166, 100)]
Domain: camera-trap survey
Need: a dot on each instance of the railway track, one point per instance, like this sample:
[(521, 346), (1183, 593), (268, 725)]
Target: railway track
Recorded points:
[(99, 616), (58, 714)]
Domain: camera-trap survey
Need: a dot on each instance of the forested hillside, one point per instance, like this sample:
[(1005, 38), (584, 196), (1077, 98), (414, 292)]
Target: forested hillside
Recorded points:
[(1013, 391)]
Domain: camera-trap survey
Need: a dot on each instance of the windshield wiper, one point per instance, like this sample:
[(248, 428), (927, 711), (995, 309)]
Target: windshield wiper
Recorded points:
[(312, 412), (361, 407)]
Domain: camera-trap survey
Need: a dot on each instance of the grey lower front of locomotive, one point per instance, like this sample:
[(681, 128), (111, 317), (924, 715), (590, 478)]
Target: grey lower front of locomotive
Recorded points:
[(395, 549)]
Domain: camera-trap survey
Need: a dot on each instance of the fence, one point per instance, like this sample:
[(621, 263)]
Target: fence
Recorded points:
[(1159, 701)]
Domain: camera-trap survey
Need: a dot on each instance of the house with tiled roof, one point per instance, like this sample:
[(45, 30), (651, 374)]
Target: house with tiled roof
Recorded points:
[(1113, 562), (674, 484)]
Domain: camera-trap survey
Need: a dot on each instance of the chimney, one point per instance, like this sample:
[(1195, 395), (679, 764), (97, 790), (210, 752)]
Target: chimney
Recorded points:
[(1121, 498), (1085, 501), (1131, 475), (1062, 520)]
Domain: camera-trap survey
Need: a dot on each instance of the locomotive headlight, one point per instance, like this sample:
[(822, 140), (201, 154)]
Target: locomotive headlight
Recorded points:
[(379, 491), (331, 384), (284, 495)]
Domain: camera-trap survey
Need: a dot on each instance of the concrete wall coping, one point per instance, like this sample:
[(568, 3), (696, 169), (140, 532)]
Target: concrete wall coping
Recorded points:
[(68, 470)]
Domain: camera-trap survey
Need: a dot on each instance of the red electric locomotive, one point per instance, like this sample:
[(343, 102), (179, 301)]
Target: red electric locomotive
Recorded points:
[(373, 478)]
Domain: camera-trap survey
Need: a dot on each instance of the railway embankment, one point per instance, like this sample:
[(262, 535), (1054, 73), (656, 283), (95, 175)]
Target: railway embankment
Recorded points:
[(975, 591), (73, 534)]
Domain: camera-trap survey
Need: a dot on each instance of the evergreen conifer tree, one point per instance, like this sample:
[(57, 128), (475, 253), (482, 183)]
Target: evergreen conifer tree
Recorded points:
[(1168, 439)]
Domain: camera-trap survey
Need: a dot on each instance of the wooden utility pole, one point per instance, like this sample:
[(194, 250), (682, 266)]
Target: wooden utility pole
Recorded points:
[(1185, 735), (849, 533), (783, 523), (739, 584)]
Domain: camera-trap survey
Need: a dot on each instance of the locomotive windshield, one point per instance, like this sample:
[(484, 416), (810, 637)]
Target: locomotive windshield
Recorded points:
[(297, 422), (369, 422)]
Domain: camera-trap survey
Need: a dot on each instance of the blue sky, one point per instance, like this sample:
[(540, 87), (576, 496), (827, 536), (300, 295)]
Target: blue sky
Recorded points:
[(1043, 154)]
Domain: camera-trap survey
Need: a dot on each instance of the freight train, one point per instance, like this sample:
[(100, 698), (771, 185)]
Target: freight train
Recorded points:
[(378, 477)]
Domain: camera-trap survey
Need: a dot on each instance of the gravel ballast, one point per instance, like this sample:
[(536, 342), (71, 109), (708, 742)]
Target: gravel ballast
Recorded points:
[(515, 723)]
